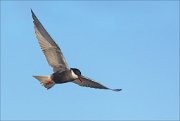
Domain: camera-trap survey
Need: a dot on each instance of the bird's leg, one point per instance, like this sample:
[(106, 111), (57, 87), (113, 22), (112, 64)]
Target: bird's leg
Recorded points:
[(49, 82)]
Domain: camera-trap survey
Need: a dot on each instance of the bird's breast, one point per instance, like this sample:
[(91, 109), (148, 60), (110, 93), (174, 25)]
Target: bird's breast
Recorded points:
[(63, 77)]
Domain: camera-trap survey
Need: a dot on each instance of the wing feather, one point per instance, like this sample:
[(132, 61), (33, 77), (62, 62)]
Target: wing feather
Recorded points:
[(86, 82), (50, 49)]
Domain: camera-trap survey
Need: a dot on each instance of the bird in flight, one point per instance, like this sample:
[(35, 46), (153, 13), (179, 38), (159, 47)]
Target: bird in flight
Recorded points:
[(62, 73)]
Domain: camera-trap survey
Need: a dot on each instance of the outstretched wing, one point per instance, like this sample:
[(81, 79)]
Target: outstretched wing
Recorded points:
[(51, 50), (86, 82)]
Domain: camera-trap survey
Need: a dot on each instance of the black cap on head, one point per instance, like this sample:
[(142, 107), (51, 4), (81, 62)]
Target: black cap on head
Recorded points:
[(76, 71)]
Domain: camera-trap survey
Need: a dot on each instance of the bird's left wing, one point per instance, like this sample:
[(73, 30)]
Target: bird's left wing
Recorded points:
[(86, 82), (51, 50)]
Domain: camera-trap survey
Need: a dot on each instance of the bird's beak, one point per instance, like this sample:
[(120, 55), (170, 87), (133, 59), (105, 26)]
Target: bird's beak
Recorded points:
[(80, 79)]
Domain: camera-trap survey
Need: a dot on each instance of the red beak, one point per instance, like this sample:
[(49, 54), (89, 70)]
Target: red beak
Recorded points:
[(80, 79)]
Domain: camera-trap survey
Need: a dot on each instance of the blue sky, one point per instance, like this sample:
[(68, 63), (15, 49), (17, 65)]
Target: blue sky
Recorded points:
[(133, 45)]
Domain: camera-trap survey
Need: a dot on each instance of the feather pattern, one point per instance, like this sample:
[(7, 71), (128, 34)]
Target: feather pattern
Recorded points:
[(50, 49), (86, 82)]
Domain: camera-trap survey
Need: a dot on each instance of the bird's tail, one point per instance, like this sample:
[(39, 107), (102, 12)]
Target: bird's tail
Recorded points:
[(46, 81)]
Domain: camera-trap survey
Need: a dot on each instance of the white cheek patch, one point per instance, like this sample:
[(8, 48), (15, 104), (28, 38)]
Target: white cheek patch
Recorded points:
[(74, 75)]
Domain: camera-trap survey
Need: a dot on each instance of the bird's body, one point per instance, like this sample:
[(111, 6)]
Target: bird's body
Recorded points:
[(62, 72), (64, 76)]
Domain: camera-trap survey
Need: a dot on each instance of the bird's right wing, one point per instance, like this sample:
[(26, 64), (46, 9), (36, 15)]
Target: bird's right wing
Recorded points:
[(86, 82), (51, 50)]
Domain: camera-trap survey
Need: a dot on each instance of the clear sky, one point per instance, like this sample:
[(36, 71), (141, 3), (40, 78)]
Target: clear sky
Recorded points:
[(133, 45)]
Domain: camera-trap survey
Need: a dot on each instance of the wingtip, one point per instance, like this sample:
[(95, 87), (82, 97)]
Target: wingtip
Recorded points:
[(33, 15), (117, 90), (32, 11)]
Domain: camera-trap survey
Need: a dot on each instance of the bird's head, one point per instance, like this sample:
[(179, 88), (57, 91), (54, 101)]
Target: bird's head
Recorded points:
[(76, 71)]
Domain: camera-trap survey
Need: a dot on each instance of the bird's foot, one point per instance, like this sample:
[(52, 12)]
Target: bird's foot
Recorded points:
[(49, 82)]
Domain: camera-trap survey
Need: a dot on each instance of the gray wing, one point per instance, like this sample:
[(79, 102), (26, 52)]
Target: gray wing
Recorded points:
[(51, 50), (86, 82)]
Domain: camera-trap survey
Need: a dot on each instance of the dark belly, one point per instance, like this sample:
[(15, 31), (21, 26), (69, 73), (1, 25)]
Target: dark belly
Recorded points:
[(62, 77)]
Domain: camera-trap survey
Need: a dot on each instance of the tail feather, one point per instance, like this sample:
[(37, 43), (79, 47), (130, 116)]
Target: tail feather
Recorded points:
[(45, 81)]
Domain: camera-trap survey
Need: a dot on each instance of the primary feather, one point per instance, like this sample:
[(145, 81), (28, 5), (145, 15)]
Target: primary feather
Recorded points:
[(51, 50)]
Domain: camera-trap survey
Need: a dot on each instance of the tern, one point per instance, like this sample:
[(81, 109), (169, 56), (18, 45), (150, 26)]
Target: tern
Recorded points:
[(62, 73)]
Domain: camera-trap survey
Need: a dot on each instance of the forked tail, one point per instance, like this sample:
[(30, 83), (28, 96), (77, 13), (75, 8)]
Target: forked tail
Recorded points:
[(46, 81)]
